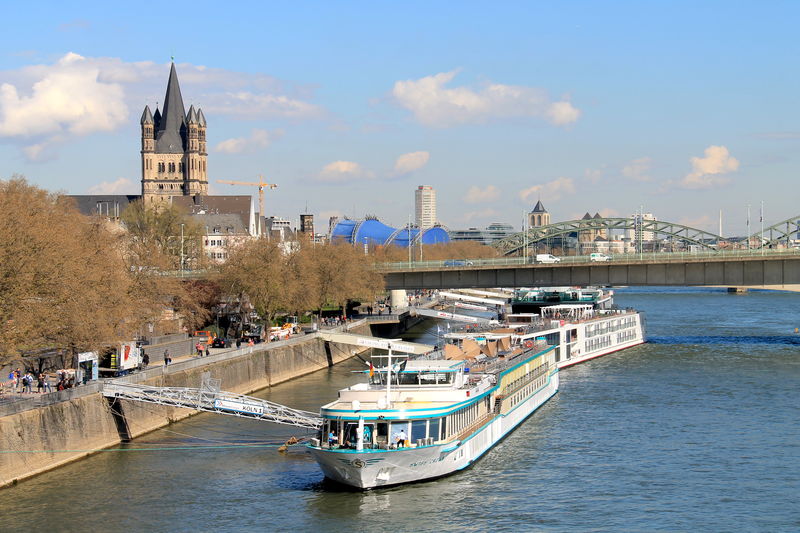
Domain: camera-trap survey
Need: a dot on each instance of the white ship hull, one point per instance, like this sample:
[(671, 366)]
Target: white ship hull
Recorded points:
[(581, 341), (377, 468)]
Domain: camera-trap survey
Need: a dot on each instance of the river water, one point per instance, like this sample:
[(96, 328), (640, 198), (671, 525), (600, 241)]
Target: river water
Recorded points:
[(696, 430)]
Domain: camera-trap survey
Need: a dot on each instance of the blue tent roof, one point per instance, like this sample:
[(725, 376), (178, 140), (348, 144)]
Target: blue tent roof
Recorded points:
[(373, 231)]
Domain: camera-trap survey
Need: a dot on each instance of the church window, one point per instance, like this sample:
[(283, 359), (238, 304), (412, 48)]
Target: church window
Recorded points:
[(180, 167)]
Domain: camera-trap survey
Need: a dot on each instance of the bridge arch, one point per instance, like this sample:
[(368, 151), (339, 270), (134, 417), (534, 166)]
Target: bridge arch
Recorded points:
[(784, 232), (515, 243)]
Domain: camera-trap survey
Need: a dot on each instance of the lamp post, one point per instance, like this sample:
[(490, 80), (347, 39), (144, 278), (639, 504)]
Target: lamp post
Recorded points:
[(182, 260)]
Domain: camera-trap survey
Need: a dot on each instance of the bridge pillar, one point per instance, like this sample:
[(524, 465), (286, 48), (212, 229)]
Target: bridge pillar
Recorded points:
[(398, 299)]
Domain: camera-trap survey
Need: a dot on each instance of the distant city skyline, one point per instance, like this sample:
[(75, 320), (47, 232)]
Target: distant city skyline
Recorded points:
[(610, 108)]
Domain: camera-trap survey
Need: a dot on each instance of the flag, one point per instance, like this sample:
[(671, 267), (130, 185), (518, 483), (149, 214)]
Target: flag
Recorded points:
[(371, 370)]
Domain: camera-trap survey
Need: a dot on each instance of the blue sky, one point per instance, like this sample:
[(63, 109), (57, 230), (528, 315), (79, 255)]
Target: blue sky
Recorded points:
[(684, 108)]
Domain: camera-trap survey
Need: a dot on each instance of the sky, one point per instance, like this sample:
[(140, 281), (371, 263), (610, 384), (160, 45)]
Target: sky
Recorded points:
[(681, 109)]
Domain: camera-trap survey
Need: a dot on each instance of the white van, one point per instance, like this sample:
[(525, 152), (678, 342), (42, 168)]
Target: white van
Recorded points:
[(547, 258), (599, 257)]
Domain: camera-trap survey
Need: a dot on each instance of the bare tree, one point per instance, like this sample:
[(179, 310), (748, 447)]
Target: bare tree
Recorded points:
[(63, 277)]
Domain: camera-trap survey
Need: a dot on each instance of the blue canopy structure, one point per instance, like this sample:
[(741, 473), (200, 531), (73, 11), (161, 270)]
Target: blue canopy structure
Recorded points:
[(374, 232)]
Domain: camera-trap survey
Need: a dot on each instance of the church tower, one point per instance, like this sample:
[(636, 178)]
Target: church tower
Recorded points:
[(173, 148), (539, 216)]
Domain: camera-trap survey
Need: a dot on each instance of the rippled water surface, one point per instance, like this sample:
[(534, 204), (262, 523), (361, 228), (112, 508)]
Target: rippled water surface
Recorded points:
[(697, 430)]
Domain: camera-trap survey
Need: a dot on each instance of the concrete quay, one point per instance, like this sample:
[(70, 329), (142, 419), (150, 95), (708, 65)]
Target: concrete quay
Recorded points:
[(75, 423)]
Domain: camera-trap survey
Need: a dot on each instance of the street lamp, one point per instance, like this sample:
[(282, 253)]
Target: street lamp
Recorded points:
[(182, 260)]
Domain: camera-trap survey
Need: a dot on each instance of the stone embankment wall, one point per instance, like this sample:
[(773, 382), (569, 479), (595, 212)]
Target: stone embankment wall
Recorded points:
[(41, 439)]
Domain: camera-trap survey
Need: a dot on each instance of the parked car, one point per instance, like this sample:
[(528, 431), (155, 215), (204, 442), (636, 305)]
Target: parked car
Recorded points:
[(598, 257), (457, 262), (220, 342), (547, 258)]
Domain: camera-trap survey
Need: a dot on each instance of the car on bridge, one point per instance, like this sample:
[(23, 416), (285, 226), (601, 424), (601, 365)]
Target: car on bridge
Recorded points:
[(598, 257), (457, 263), (547, 258)]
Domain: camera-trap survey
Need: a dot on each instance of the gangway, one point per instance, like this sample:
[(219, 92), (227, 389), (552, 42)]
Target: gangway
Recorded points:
[(474, 307), (467, 298), (210, 399), (372, 342), (444, 315), (491, 294)]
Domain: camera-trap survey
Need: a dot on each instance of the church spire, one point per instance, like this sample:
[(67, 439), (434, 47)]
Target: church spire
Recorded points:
[(171, 127)]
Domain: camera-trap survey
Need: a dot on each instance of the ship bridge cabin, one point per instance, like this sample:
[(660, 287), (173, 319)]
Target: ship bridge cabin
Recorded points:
[(425, 402)]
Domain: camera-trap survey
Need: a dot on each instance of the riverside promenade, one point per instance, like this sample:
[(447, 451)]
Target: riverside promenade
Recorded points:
[(43, 431)]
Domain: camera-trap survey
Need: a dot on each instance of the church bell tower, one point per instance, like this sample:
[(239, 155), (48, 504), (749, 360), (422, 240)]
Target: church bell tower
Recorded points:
[(173, 148)]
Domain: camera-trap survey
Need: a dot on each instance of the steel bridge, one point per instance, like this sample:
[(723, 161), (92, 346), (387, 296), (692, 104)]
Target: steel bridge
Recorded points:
[(768, 269), (210, 399), (782, 232)]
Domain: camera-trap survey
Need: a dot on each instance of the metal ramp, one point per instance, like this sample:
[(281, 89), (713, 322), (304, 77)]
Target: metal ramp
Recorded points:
[(467, 298), (210, 399), (444, 315), (373, 342)]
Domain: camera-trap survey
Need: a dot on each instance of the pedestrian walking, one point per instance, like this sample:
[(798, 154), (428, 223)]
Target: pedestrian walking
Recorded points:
[(167, 358), (208, 352), (145, 361), (40, 384), (199, 348)]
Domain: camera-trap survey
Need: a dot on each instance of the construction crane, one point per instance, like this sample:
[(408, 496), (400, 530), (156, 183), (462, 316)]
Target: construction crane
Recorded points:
[(260, 184)]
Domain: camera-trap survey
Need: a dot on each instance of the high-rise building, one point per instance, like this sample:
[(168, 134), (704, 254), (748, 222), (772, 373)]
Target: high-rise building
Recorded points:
[(638, 220), (307, 224), (425, 206), (173, 148)]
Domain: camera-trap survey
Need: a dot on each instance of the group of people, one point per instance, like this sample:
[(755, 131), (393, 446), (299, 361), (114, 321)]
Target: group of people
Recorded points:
[(22, 383), (201, 349), (332, 321)]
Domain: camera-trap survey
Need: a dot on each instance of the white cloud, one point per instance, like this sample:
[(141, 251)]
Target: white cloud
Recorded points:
[(593, 174), (638, 169), (410, 162), (79, 95), (709, 171), (552, 190), (436, 105), (259, 139), (119, 186), (476, 195), (246, 104), (343, 171), (607, 212), (70, 97)]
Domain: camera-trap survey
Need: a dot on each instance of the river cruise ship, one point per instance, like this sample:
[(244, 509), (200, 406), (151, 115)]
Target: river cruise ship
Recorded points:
[(531, 300), (428, 417), (578, 331)]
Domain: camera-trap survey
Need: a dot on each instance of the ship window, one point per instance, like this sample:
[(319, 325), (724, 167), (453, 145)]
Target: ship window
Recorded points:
[(383, 432), (418, 428), (395, 430), (433, 429), (408, 378)]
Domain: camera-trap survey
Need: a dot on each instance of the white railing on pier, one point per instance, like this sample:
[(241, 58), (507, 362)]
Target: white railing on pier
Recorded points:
[(212, 400)]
